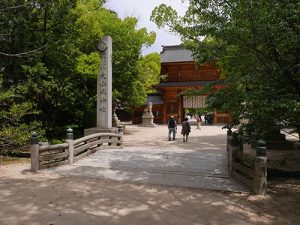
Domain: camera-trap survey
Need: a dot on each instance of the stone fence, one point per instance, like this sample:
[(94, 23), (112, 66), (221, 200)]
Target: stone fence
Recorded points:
[(47, 156), (249, 170)]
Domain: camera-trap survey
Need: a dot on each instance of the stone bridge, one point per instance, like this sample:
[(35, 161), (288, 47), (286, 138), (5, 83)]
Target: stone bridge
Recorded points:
[(148, 157)]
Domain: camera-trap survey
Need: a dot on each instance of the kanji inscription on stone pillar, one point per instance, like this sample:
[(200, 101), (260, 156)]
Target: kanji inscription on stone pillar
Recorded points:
[(104, 85)]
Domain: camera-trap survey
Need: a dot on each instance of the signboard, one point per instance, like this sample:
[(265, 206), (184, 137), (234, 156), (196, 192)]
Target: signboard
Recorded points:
[(194, 102)]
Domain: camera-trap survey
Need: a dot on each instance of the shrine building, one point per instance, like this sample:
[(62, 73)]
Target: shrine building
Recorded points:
[(181, 73)]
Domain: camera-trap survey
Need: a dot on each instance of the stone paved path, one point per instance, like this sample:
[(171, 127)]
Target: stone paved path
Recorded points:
[(148, 157)]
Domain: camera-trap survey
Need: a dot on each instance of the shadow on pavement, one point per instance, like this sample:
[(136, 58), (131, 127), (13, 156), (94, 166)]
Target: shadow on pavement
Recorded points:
[(80, 201)]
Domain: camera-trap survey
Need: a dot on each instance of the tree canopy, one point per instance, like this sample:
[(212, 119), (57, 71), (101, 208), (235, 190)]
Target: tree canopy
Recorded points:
[(49, 63), (257, 45)]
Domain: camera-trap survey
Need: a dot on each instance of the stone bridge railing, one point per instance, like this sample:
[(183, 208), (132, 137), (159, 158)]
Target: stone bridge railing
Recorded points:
[(47, 156), (249, 170)]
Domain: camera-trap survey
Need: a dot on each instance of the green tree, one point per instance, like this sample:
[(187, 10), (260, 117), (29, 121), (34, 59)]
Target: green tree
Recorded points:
[(39, 54), (15, 112), (49, 57), (149, 70), (256, 43), (93, 23)]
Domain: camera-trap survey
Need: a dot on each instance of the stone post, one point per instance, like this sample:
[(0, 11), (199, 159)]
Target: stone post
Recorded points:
[(104, 91), (234, 140), (34, 152), (232, 150), (229, 155), (104, 85), (260, 176), (229, 152), (120, 131), (70, 141), (261, 149), (234, 146), (229, 133), (260, 169)]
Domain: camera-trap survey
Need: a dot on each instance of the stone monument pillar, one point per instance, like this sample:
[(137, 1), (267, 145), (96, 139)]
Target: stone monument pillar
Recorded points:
[(104, 90), (104, 85)]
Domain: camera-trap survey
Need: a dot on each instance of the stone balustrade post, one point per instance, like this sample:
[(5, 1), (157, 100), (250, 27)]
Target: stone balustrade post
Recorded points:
[(229, 133), (261, 149), (34, 152), (260, 169), (234, 146), (70, 141), (229, 156), (229, 152), (260, 175)]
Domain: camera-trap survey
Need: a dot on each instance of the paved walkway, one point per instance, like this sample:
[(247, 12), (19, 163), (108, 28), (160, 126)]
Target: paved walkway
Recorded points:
[(148, 157)]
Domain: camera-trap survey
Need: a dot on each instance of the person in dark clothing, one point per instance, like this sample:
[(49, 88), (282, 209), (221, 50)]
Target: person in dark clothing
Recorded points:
[(172, 126), (210, 119), (205, 118), (186, 129)]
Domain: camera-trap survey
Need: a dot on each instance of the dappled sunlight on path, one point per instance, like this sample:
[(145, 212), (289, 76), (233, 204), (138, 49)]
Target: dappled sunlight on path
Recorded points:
[(107, 189), (82, 201)]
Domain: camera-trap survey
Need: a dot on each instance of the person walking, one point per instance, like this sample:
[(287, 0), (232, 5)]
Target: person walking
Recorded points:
[(198, 121), (172, 126), (210, 119), (186, 129)]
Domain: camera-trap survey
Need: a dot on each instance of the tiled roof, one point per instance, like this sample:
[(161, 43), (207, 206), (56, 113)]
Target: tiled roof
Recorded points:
[(182, 84), (155, 98), (175, 53)]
